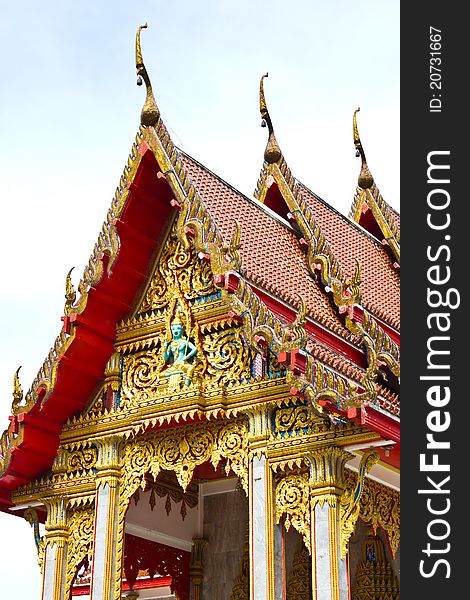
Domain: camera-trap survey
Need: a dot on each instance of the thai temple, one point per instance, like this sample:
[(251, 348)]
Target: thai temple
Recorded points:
[(218, 418)]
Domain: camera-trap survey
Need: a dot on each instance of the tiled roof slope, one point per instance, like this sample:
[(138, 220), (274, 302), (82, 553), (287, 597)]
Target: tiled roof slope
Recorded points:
[(272, 257), (380, 282)]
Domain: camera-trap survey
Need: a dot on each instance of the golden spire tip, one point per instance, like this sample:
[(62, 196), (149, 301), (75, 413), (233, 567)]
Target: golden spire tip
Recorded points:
[(365, 179), (150, 113), (272, 152)]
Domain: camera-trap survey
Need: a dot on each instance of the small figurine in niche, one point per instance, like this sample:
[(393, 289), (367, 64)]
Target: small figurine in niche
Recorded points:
[(179, 354)]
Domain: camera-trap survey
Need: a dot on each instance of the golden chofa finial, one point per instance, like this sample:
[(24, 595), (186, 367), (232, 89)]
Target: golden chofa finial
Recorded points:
[(150, 113), (365, 179), (17, 392), (70, 294), (272, 152)]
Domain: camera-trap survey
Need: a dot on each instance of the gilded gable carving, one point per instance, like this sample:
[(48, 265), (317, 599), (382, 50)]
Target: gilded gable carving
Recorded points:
[(194, 276), (182, 337)]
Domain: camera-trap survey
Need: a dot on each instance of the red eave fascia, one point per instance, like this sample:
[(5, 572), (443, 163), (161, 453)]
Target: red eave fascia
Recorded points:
[(141, 228)]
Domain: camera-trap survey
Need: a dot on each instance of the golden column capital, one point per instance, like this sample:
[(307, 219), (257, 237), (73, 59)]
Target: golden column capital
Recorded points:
[(259, 428), (108, 463), (327, 474), (57, 528)]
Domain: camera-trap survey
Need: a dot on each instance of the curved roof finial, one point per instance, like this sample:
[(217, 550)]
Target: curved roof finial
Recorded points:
[(150, 113), (272, 152), (365, 179)]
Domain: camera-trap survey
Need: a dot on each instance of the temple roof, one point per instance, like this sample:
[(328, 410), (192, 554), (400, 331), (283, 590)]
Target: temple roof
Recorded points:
[(273, 258), (160, 181)]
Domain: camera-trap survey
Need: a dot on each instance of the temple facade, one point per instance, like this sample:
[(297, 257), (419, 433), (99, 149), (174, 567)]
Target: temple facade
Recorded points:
[(218, 418)]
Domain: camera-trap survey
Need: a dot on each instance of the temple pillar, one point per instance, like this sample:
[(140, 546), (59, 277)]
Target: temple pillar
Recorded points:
[(267, 580), (327, 484), (196, 568), (55, 550), (107, 546)]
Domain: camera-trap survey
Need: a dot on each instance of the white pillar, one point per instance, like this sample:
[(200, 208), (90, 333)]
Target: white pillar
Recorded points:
[(267, 580), (107, 561), (329, 572), (55, 553)]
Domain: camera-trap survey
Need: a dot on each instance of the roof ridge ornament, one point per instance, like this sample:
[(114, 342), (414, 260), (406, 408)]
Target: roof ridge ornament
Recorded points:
[(272, 153), (70, 294), (150, 112), (17, 393), (365, 179)]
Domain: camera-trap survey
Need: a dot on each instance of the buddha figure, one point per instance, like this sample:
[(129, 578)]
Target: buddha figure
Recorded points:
[(178, 354)]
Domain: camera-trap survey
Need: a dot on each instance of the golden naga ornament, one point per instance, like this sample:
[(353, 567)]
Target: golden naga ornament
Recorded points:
[(70, 294), (350, 500)]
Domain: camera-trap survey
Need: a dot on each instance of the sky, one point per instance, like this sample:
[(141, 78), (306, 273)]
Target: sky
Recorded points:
[(70, 109)]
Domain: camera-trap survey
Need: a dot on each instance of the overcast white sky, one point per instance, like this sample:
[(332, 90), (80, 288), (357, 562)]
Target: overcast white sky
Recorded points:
[(69, 111)]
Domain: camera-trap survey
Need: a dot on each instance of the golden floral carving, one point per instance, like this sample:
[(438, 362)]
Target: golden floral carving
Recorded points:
[(380, 506), (294, 420), (293, 500), (182, 450), (79, 542), (194, 275)]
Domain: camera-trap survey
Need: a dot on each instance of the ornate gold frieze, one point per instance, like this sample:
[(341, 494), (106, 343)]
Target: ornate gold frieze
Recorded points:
[(222, 359), (181, 452), (75, 460), (296, 420), (189, 404), (297, 494)]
